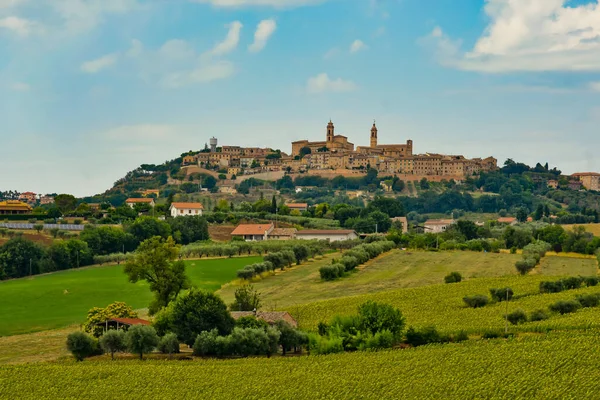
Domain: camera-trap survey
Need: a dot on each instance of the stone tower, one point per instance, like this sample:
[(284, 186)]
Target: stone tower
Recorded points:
[(374, 136), (330, 132)]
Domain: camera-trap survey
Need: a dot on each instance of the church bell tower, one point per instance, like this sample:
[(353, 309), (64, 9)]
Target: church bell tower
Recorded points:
[(330, 132), (374, 136)]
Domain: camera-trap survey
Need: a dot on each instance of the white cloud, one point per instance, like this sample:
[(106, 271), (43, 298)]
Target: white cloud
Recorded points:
[(322, 83), (10, 3), (203, 74), (78, 16), (20, 87), (332, 53), (357, 46), (20, 26), (264, 30), (263, 3), (97, 65), (175, 49), (136, 48), (230, 42), (379, 32), (594, 86), (534, 35)]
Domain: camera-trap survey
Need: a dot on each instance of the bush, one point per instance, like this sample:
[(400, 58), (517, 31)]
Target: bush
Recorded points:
[(169, 344), (588, 300), (517, 317), (573, 282), (428, 335), (461, 336), (141, 339), (381, 340), (81, 345), (591, 281), (453, 277), (332, 272), (251, 322), (377, 317), (538, 315), (502, 294), (565, 306), (525, 265), (325, 345), (476, 301), (551, 287), (349, 262), (205, 344), (113, 341)]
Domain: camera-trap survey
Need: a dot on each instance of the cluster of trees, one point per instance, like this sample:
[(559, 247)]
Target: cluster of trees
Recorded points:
[(532, 255), (353, 258), (287, 257), (571, 283), (560, 307), (239, 247)]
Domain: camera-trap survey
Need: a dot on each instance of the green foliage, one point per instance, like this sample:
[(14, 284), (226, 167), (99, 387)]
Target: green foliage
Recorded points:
[(247, 298), (376, 317), (19, 257), (155, 263), (565, 306), (189, 229), (502, 294), (99, 315), (332, 272), (538, 315), (168, 344), (588, 300), (251, 322), (420, 337), (81, 345), (141, 339), (113, 341), (145, 228), (453, 277), (517, 317), (476, 301)]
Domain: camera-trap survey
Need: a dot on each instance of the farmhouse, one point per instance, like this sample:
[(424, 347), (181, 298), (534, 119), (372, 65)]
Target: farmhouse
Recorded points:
[(28, 197), (437, 225), (330, 235), (589, 180), (253, 232), (186, 209), (118, 323), (300, 207), (271, 317), (133, 201), (283, 233), (508, 220), (403, 221), (14, 207)]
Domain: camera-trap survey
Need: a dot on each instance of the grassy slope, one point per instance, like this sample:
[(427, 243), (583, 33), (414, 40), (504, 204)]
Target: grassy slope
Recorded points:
[(554, 366), (395, 270), (63, 298), (592, 228)]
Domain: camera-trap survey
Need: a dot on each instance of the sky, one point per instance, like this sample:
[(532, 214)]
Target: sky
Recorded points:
[(91, 89)]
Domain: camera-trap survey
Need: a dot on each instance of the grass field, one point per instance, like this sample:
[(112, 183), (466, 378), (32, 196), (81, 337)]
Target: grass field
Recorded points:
[(554, 366), (63, 298), (592, 228), (397, 269)]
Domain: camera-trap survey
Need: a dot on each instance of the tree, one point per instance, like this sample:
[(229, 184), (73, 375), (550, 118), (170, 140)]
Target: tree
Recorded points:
[(273, 205), (113, 341), (209, 182), (522, 215), (154, 262), (99, 315), (539, 212), (65, 202), (38, 228), (247, 298), (54, 212), (81, 345), (19, 257), (376, 317), (141, 339), (190, 228), (197, 311), (305, 151), (169, 344), (467, 228), (146, 227)]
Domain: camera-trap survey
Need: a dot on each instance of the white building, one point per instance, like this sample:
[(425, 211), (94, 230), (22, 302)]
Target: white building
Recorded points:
[(330, 235), (186, 209), (132, 202), (438, 225), (253, 232)]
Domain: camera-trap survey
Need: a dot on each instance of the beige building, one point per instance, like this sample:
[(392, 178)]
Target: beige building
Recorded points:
[(438, 225), (333, 143), (590, 180)]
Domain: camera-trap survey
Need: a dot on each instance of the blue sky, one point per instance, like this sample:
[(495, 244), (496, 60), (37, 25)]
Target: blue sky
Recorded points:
[(93, 88)]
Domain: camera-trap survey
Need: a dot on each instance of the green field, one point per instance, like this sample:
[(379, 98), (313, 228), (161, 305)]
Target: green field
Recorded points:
[(397, 269), (63, 298), (554, 366)]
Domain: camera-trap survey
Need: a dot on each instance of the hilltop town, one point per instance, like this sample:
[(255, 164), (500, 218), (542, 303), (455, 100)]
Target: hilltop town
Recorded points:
[(337, 156)]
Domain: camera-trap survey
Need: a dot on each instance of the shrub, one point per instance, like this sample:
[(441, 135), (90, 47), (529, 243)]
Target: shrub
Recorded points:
[(428, 335), (169, 344), (332, 272), (453, 277), (376, 317), (461, 336), (476, 301), (525, 265), (325, 345), (250, 342), (141, 339), (591, 281), (588, 300), (113, 341), (551, 287), (81, 345), (251, 322), (502, 294), (538, 315), (565, 306), (205, 344), (381, 340), (517, 317), (573, 282), (99, 315), (349, 262)]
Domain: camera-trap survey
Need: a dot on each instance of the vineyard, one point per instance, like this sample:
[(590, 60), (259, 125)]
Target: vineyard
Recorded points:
[(537, 366)]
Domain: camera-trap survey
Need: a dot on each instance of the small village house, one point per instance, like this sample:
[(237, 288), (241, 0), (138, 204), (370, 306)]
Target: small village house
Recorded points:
[(11, 207), (28, 197), (330, 235), (186, 209), (133, 201), (44, 200), (300, 207), (283, 233), (270, 317), (437, 225), (589, 180), (508, 220), (253, 232)]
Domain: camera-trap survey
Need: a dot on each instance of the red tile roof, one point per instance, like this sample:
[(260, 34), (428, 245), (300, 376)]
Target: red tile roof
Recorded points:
[(146, 200), (297, 205), (269, 317), (131, 321), (191, 206), (251, 229), (507, 220), (325, 232)]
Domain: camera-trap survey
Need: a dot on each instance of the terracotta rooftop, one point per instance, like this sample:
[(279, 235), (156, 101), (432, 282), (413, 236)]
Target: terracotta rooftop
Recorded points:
[(270, 317), (439, 222), (325, 232), (586, 174), (297, 205), (146, 200), (192, 206), (283, 232), (507, 220), (130, 321), (251, 229)]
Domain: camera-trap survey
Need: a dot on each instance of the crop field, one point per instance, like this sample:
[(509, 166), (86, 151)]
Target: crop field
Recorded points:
[(558, 365), (592, 228), (397, 269), (63, 298)]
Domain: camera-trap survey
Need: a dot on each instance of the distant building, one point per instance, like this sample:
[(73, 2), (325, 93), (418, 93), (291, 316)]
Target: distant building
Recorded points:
[(300, 207), (46, 200), (403, 221), (590, 180), (28, 197), (553, 183), (508, 220), (253, 232), (133, 201), (228, 189), (150, 192), (10, 207), (575, 185), (186, 209), (330, 235), (283, 233), (438, 225), (271, 317)]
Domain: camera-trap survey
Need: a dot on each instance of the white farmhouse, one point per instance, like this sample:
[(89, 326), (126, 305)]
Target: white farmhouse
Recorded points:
[(186, 209), (330, 235)]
